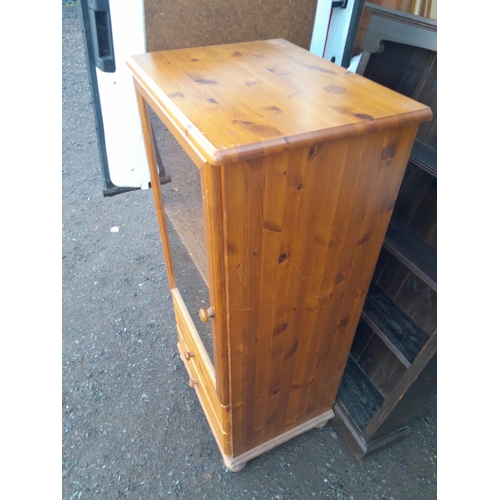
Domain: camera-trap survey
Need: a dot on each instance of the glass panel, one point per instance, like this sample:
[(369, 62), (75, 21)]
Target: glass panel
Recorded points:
[(184, 208)]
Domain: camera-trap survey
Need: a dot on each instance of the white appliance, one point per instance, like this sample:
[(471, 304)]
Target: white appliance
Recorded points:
[(335, 29), (114, 29)]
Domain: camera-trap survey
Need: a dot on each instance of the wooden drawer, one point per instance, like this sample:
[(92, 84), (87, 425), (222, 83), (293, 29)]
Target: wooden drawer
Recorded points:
[(201, 372)]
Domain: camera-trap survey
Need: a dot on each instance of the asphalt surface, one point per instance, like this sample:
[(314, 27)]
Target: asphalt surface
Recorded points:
[(131, 426)]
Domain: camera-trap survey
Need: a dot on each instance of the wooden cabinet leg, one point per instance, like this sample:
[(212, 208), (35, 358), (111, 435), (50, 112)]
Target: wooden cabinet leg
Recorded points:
[(233, 467)]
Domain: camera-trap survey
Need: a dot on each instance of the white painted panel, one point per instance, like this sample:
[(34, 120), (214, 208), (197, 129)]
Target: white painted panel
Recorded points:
[(337, 33), (125, 149), (320, 29)]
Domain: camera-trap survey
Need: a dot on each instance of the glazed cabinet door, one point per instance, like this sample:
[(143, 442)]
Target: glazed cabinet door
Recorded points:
[(193, 206), (190, 223)]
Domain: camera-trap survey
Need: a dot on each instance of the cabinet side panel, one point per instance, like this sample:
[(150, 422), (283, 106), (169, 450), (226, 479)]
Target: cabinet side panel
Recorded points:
[(352, 265), (302, 233)]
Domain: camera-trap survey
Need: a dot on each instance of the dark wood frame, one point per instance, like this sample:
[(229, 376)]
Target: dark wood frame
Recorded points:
[(368, 415)]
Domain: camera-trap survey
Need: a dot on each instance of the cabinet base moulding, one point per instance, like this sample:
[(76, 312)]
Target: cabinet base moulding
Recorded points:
[(236, 464)]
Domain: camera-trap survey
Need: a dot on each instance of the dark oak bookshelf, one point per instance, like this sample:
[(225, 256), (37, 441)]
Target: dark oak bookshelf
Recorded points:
[(391, 368), (398, 331), (424, 157), (415, 253), (358, 394)]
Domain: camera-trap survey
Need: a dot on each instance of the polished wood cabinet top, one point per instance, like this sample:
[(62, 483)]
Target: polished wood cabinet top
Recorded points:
[(241, 101)]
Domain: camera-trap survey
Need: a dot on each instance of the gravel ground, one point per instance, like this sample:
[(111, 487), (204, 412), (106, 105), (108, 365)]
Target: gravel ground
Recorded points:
[(131, 426)]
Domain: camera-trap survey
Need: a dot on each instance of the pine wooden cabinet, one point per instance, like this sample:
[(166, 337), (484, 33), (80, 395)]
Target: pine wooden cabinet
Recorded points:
[(391, 368), (299, 162)]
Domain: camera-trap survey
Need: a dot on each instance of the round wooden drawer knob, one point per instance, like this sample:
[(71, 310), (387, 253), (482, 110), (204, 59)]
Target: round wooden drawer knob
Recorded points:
[(192, 383), (205, 314), (189, 355)]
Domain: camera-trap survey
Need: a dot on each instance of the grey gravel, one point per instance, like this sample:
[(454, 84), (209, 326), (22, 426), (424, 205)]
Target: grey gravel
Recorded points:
[(131, 426)]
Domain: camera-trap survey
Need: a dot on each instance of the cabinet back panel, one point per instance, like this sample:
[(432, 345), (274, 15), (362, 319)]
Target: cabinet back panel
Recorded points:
[(382, 262), (416, 206), (393, 275), (427, 132), (363, 336), (414, 83), (410, 294), (381, 366), (408, 291), (390, 66), (426, 314), (424, 221), (411, 71), (413, 189)]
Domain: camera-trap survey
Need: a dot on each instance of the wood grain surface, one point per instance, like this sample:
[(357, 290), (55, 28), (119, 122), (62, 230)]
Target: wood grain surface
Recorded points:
[(300, 163), (237, 102), (303, 230), (155, 184)]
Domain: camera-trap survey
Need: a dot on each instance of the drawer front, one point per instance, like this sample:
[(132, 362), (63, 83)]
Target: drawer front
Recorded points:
[(201, 371)]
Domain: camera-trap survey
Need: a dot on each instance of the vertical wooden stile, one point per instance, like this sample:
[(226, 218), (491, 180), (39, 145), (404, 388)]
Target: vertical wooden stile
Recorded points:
[(156, 186), (213, 219)]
